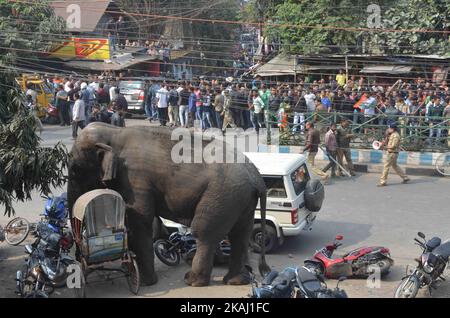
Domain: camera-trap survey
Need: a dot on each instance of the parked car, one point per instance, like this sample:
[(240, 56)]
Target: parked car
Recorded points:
[(294, 198), (135, 92)]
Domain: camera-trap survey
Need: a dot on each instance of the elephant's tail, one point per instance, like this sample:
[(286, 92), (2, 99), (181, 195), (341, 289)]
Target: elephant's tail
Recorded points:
[(264, 269)]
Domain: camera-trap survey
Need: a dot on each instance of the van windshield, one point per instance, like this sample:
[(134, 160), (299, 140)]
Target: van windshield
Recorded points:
[(299, 179), (275, 187)]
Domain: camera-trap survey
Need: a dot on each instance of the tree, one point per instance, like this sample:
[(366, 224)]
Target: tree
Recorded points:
[(300, 25), (414, 15), (24, 165)]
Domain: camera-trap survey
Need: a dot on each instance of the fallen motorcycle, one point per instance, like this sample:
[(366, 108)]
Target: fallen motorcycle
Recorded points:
[(359, 263), (293, 283), (430, 268), (184, 246)]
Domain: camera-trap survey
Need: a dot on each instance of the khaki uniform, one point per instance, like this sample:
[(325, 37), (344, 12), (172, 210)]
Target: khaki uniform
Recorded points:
[(392, 148)]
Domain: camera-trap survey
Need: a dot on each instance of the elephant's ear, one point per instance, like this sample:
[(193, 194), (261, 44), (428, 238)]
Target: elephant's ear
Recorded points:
[(108, 161)]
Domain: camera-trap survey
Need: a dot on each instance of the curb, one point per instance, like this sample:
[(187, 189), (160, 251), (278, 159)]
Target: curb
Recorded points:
[(371, 161)]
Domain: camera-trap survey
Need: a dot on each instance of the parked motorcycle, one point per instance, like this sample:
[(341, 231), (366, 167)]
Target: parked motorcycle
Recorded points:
[(48, 257), (294, 283), (46, 266), (184, 246), (359, 263), (430, 268)]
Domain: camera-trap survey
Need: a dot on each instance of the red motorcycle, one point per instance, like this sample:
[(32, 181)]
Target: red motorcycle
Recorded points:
[(359, 263)]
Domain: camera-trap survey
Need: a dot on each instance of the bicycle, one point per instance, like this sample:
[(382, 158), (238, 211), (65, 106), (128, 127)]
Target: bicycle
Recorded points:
[(443, 164), (16, 231)]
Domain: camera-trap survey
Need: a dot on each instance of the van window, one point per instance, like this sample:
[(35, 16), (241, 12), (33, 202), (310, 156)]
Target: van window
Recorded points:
[(299, 179), (275, 187)]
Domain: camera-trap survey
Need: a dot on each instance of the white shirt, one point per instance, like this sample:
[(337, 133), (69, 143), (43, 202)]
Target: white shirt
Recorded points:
[(78, 110), (33, 94), (309, 98), (112, 93), (258, 105), (162, 95), (66, 87)]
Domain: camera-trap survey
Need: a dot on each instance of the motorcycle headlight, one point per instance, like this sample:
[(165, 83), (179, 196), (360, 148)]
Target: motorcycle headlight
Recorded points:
[(427, 263), (428, 268)]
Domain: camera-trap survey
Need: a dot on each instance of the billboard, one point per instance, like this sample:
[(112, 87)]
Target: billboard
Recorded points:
[(85, 48)]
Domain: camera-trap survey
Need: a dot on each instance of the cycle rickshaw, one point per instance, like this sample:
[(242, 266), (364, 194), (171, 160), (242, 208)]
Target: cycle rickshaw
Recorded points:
[(98, 225)]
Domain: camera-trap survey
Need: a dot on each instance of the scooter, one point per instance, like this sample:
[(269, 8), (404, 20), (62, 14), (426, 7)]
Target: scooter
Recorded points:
[(359, 263)]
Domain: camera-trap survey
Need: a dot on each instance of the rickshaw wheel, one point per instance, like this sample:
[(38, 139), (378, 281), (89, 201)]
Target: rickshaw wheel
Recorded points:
[(132, 273)]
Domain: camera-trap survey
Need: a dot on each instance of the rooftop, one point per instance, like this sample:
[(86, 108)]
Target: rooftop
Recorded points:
[(275, 163)]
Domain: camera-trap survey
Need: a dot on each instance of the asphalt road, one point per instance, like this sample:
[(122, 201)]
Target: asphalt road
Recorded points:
[(364, 214)]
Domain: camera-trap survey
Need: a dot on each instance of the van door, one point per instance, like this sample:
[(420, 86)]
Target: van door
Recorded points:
[(296, 184), (278, 201)]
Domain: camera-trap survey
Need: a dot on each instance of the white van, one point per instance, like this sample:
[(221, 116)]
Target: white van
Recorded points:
[(293, 198)]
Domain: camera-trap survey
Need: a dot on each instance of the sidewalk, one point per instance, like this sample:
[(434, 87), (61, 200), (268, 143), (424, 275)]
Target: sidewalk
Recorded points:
[(371, 161)]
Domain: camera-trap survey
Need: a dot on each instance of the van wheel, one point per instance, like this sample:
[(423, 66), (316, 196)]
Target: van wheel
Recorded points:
[(256, 237)]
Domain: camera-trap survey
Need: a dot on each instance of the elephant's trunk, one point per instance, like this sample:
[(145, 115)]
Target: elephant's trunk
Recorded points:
[(264, 269)]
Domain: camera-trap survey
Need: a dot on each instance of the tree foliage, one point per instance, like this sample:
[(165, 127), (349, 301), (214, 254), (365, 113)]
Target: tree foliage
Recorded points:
[(300, 23), (24, 165), (415, 14)]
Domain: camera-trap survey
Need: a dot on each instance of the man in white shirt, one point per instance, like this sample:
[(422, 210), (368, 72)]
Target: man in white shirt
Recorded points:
[(112, 92), (310, 98), (162, 96), (78, 115)]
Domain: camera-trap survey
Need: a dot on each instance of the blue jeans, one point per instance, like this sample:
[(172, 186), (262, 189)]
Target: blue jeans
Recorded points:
[(184, 115), (207, 123), (148, 110), (199, 116)]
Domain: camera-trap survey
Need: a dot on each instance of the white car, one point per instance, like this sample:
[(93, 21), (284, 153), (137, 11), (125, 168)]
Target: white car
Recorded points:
[(293, 197)]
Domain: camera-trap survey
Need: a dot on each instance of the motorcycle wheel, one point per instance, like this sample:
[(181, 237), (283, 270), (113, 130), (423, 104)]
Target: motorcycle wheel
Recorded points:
[(384, 266), (170, 258), (16, 231), (408, 288)]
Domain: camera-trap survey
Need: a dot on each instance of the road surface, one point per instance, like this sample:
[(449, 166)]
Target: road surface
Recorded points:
[(357, 209)]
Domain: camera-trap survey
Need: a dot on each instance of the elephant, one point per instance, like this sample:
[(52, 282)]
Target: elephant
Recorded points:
[(215, 199)]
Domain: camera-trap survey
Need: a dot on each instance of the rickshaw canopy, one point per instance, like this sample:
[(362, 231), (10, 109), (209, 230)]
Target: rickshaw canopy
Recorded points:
[(100, 210)]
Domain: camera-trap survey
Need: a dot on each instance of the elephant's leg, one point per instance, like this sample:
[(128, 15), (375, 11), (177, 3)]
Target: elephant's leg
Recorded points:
[(141, 243), (202, 264), (208, 228), (239, 238)]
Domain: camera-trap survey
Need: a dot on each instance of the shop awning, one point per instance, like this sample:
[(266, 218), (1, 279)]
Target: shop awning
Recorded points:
[(387, 69), (278, 66)]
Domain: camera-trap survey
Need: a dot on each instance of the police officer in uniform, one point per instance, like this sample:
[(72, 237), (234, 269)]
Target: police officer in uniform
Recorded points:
[(392, 145)]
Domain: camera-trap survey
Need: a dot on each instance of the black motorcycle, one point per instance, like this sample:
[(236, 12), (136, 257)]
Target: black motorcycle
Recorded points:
[(311, 285), (184, 246), (46, 265), (431, 266), (293, 283)]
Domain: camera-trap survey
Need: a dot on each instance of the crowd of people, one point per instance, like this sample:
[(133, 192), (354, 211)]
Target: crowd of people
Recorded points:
[(253, 104)]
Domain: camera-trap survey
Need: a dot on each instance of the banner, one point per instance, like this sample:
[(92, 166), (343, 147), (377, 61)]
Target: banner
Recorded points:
[(92, 49)]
